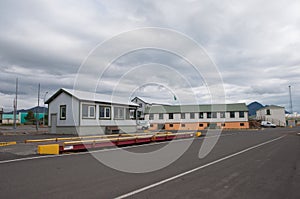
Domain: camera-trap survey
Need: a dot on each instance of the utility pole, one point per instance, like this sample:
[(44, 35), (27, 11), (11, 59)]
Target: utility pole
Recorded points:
[(16, 105), (37, 111), (44, 108), (291, 104)]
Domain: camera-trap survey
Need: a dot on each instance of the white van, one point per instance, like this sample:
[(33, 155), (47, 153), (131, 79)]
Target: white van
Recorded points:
[(267, 124)]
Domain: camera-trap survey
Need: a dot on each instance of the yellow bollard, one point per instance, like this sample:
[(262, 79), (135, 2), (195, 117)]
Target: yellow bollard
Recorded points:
[(198, 134)]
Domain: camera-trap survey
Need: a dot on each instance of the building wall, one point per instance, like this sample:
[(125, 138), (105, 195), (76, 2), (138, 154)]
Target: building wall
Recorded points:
[(9, 118), (276, 116), (89, 130), (72, 110), (177, 118), (105, 122), (197, 123), (194, 126), (75, 123), (23, 115), (236, 125)]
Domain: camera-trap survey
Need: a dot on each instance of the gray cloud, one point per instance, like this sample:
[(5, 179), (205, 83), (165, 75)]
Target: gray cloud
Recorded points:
[(255, 45)]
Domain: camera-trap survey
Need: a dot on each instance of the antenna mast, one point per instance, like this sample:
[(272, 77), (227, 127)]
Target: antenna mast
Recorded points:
[(291, 104)]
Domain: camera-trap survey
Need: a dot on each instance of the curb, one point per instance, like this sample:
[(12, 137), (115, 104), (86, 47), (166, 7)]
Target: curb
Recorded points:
[(7, 143)]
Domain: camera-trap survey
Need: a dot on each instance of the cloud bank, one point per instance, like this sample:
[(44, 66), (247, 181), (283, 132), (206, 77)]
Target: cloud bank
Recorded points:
[(254, 44)]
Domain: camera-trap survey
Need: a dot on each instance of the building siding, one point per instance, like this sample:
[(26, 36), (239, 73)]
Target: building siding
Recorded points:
[(276, 115)]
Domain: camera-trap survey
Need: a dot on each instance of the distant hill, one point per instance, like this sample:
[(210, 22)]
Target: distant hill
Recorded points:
[(253, 107), (35, 109)]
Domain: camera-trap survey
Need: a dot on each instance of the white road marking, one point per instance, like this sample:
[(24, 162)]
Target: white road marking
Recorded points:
[(195, 169), (106, 150)]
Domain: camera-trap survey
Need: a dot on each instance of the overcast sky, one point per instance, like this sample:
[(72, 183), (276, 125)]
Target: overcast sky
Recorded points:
[(254, 44)]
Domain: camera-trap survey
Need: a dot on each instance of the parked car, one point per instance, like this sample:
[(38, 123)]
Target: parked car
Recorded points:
[(143, 124), (267, 124)]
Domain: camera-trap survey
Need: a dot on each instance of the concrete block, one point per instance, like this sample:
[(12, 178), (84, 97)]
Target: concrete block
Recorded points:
[(50, 149)]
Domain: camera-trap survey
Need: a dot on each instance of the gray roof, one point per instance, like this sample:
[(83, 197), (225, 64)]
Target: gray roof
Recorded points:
[(90, 96), (152, 101), (197, 108)]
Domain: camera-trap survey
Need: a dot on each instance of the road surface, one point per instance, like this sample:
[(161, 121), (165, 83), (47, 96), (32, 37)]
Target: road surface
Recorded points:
[(246, 164)]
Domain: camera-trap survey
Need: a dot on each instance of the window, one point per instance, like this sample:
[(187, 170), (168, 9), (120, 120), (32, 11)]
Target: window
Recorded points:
[(88, 111), (200, 125), (268, 112), (161, 116), (140, 105), (241, 114), (171, 116), (170, 125), (182, 125), (151, 116), (201, 115), (104, 112), (223, 124), (242, 124), (63, 112), (222, 114), (214, 115), (119, 113), (151, 125), (139, 114), (232, 114), (130, 113), (192, 115), (208, 114), (182, 115)]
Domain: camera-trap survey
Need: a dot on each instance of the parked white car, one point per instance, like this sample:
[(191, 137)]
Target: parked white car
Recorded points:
[(143, 124), (267, 124)]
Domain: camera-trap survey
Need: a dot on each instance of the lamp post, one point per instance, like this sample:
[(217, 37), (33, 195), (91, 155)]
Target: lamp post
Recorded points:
[(44, 108)]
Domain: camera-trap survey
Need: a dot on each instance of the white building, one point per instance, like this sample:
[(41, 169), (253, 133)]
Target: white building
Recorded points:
[(272, 113), (85, 113), (197, 117), (145, 103)]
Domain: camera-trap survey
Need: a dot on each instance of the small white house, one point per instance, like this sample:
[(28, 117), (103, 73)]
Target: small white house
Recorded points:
[(86, 113), (145, 103), (272, 113)]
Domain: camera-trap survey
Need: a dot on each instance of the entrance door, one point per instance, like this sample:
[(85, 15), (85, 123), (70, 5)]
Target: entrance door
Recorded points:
[(53, 123)]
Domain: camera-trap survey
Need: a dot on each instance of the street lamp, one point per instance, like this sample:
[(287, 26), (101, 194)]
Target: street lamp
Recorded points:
[(44, 108)]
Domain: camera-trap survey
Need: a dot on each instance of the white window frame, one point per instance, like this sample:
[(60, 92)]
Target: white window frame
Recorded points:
[(131, 113), (89, 116), (192, 116), (105, 111), (116, 117), (160, 116), (151, 116), (182, 116), (222, 114), (61, 107)]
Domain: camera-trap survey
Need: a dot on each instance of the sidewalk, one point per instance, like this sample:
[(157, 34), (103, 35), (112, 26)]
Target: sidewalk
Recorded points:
[(24, 129)]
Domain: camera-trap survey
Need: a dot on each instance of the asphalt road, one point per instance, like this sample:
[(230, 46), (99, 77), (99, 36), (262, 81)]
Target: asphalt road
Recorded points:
[(248, 164)]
